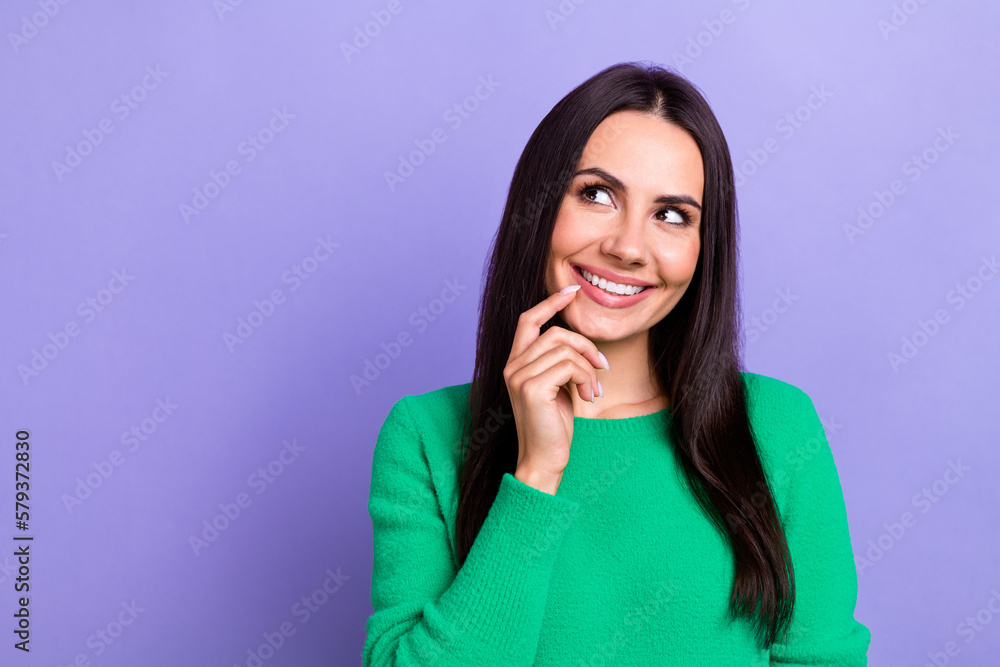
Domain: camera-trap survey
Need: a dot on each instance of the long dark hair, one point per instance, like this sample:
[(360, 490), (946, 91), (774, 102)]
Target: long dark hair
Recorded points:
[(695, 349)]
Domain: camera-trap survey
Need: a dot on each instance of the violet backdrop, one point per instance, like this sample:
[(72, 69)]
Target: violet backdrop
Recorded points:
[(201, 253)]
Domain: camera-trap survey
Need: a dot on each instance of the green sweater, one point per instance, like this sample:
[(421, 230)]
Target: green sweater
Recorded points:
[(620, 567)]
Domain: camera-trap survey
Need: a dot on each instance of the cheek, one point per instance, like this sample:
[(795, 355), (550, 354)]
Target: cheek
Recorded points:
[(569, 229), (692, 254), (680, 260), (570, 236)]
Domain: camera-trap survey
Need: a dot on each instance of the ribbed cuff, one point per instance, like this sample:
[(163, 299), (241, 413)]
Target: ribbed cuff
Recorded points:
[(505, 578), (535, 520)]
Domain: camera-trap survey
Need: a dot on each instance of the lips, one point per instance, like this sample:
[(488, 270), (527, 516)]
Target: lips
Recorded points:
[(607, 299), (616, 278)]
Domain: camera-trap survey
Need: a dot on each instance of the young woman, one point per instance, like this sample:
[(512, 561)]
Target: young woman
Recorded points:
[(611, 488)]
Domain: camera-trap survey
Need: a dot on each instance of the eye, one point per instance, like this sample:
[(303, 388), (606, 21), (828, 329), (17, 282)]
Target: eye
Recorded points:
[(601, 195), (673, 216)]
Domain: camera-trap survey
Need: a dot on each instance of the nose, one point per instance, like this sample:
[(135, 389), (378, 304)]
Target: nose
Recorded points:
[(627, 239)]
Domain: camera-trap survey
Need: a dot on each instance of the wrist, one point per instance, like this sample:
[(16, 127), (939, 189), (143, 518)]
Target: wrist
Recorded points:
[(547, 482)]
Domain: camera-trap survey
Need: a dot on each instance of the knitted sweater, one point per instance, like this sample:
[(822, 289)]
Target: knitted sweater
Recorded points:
[(620, 567)]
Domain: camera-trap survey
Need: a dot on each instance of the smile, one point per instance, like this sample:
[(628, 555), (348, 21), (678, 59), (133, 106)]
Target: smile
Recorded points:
[(610, 294), (607, 285)]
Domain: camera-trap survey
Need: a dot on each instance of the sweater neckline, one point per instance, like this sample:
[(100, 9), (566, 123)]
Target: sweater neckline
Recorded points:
[(652, 424)]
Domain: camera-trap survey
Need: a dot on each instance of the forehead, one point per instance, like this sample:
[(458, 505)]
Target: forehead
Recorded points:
[(647, 153)]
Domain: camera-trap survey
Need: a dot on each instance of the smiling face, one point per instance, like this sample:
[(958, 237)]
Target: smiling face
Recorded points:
[(631, 215)]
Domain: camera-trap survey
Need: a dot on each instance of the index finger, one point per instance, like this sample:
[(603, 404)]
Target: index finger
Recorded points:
[(531, 321)]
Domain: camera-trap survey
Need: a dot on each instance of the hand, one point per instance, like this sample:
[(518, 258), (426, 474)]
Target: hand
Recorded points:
[(540, 374)]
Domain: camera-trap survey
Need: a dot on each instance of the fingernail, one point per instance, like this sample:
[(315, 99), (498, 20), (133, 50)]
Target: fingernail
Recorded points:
[(604, 360), (601, 388), (570, 288)]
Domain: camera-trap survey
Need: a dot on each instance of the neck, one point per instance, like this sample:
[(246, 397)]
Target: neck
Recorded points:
[(630, 386)]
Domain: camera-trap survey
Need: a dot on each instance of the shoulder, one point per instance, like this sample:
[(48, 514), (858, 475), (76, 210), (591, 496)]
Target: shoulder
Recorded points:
[(427, 425), (776, 405), (768, 391), (446, 404), (418, 448), (785, 424)]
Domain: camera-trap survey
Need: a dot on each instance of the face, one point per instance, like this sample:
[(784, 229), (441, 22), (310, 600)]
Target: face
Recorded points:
[(631, 216)]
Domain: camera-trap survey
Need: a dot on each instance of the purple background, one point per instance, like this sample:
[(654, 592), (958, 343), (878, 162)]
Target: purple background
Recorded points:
[(887, 92)]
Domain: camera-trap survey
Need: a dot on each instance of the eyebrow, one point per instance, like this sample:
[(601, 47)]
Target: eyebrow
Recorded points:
[(618, 185)]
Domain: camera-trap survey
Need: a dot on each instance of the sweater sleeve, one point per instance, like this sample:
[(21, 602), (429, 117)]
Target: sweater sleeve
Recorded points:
[(488, 612), (823, 629)]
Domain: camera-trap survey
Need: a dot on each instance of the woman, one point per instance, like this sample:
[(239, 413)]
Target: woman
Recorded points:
[(611, 488)]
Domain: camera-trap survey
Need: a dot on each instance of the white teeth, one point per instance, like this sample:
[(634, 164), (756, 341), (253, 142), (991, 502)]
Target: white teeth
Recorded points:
[(609, 286)]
